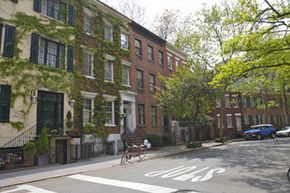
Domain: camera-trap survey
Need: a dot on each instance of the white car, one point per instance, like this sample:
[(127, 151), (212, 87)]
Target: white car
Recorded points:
[(285, 131)]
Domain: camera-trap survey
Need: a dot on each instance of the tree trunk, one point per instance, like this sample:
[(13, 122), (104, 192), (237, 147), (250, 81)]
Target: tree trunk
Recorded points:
[(285, 109)]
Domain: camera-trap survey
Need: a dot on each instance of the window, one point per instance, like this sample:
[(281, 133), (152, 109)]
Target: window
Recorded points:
[(55, 9), (218, 103), (244, 101), (140, 81), (88, 64), (154, 116), (150, 53), (160, 58), (141, 114), (152, 82), (235, 101), (87, 110), (9, 41), (227, 101), (177, 62), (138, 47), (109, 113), (108, 32), (229, 121), (51, 53), (109, 71), (218, 121), (5, 93), (88, 24), (124, 41), (170, 61), (126, 75), (246, 119)]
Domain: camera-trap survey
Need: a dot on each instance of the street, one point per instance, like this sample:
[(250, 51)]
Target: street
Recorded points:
[(240, 167)]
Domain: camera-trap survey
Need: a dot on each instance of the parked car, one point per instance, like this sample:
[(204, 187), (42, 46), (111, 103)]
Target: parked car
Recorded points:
[(260, 131), (285, 131)]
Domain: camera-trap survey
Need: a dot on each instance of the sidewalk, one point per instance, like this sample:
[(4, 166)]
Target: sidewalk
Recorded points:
[(54, 171)]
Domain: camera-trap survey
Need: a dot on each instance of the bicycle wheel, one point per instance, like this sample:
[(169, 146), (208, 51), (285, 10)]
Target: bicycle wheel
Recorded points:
[(124, 158), (288, 174), (142, 154)]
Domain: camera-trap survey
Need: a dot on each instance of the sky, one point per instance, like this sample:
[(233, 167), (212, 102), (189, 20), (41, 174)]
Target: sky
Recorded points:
[(155, 7)]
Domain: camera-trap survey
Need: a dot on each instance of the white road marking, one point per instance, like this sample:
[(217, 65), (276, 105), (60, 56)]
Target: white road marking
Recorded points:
[(124, 184), (31, 189)]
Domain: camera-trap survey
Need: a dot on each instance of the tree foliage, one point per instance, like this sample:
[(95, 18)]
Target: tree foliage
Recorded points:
[(187, 94)]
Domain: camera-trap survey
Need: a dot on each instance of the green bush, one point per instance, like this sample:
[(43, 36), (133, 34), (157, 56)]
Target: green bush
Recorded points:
[(29, 148), (167, 140), (220, 140), (155, 140), (43, 143)]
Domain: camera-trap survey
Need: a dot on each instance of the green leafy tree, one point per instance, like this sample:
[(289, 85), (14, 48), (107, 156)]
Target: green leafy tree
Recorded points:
[(188, 96), (43, 143)]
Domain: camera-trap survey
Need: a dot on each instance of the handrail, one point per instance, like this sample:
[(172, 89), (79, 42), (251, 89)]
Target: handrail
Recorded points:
[(21, 139)]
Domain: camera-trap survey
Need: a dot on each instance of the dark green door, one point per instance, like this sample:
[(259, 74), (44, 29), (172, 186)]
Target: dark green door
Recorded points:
[(49, 111)]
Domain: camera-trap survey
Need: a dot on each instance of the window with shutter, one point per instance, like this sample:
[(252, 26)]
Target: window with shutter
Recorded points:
[(71, 15), (9, 41), (5, 92), (37, 5), (70, 59), (34, 48)]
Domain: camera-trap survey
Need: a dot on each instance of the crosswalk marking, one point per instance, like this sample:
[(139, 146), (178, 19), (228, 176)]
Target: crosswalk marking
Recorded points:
[(124, 184), (31, 189)]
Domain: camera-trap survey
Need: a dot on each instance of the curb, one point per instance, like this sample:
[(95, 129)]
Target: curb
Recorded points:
[(100, 165)]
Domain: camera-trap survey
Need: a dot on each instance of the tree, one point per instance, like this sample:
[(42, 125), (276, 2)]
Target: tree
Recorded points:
[(167, 24), (203, 38), (188, 96), (132, 10), (263, 45)]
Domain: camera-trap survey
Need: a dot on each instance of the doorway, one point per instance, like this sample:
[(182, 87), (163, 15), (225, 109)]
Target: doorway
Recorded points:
[(49, 111), (61, 151)]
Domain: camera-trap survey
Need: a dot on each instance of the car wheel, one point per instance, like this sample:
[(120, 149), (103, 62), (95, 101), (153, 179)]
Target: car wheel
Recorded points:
[(259, 137), (273, 135)]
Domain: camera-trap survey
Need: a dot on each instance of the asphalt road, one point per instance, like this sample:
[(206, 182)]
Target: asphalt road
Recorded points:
[(243, 167)]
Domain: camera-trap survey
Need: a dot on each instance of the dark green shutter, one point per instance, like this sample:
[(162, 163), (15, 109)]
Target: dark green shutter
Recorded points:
[(1, 29), (71, 15), (70, 59), (5, 92), (9, 41), (34, 48), (37, 5)]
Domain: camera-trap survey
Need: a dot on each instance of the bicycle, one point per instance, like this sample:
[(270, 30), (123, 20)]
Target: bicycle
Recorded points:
[(288, 174), (133, 151)]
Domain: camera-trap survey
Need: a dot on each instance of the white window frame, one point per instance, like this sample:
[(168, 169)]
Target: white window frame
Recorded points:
[(108, 32), (177, 62), (125, 45), (170, 61), (127, 65), (91, 96), (227, 101), (235, 101), (218, 120), (88, 15), (229, 120), (109, 98), (111, 72), (92, 64), (246, 119)]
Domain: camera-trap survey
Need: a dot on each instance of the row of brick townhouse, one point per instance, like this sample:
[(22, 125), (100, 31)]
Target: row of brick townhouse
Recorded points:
[(64, 64), (242, 111)]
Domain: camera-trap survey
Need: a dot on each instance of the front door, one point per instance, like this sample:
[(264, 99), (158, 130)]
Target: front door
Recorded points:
[(61, 151), (49, 111)]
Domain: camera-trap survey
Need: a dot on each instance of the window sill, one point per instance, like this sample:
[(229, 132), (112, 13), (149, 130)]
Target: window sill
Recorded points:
[(89, 77), (126, 85), (52, 18), (108, 81), (109, 125)]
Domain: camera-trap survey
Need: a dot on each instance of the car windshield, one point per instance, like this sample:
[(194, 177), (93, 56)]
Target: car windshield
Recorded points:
[(284, 128), (255, 128)]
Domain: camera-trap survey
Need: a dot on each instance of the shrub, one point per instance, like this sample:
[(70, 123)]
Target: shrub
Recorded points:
[(194, 144), (155, 140), (220, 140), (29, 148)]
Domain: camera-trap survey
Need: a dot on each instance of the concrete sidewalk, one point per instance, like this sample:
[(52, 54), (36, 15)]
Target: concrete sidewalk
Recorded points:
[(54, 171)]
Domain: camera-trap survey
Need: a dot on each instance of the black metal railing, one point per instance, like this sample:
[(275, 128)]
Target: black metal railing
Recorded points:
[(21, 139)]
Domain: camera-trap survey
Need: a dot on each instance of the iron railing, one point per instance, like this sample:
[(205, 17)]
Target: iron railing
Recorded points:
[(21, 139)]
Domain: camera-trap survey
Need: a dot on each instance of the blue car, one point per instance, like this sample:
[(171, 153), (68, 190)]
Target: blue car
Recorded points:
[(260, 131)]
